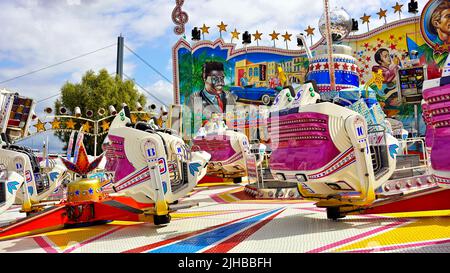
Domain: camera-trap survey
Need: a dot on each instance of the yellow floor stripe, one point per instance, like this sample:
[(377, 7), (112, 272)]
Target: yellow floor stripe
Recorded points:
[(123, 223), (422, 229), (196, 214), (212, 184), (67, 237), (431, 213)]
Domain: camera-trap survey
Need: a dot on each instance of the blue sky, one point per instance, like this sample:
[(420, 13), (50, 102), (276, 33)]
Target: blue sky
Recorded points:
[(38, 33)]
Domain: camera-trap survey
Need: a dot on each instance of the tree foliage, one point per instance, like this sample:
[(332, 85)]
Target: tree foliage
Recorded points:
[(95, 91)]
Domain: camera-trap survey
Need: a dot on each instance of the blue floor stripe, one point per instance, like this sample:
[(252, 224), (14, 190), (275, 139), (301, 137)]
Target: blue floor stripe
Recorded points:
[(194, 244)]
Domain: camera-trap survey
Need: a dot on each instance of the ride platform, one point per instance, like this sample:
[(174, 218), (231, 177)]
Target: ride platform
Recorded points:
[(230, 220)]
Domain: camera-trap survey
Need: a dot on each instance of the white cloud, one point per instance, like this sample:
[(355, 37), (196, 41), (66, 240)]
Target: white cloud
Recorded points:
[(160, 89), (43, 32), (169, 64)]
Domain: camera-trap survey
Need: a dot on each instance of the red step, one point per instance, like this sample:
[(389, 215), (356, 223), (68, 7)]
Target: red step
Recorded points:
[(433, 199), (49, 219)]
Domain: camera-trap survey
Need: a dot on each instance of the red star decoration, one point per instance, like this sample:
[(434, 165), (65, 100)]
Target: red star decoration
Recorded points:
[(379, 45), (362, 71), (359, 59), (363, 82), (83, 166), (366, 45), (393, 46), (345, 66), (368, 58), (318, 66), (311, 67), (381, 41), (336, 65), (400, 38), (326, 66), (367, 66), (352, 68), (392, 37), (374, 49)]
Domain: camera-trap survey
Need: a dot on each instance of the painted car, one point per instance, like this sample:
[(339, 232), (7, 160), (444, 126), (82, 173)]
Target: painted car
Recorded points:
[(260, 94)]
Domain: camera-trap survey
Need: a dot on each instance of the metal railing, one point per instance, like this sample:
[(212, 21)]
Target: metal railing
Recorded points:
[(404, 145)]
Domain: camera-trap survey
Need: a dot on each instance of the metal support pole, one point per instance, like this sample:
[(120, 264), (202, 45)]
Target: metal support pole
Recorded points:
[(119, 66), (329, 45), (416, 119), (95, 137)]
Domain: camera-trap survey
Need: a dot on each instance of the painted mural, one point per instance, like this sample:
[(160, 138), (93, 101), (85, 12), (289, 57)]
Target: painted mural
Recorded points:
[(392, 49), (214, 77), (435, 25), (404, 53)]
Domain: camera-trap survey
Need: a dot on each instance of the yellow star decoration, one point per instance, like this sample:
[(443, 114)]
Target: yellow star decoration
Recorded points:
[(133, 118), (274, 35), (204, 29), (145, 117), (56, 124), (287, 36), (105, 125), (397, 7), (365, 18), (257, 35), (86, 127), (70, 124), (235, 34), (310, 31), (382, 13), (40, 126), (222, 26)]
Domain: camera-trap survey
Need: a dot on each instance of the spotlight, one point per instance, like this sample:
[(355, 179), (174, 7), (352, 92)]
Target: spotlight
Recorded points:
[(152, 107), (62, 110), (246, 38), (101, 111), (300, 40), (77, 112), (355, 25), (164, 110), (112, 110), (48, 110), (138, 106), (413, 7), (33, 115), (335, 37), (89, 113), (196, 34)]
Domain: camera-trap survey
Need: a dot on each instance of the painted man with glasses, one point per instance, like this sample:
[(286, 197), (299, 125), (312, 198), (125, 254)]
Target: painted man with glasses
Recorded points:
[(213, 98)]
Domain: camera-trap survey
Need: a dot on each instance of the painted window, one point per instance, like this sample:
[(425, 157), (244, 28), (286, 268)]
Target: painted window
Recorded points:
[(256, 72), (250, 72)]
